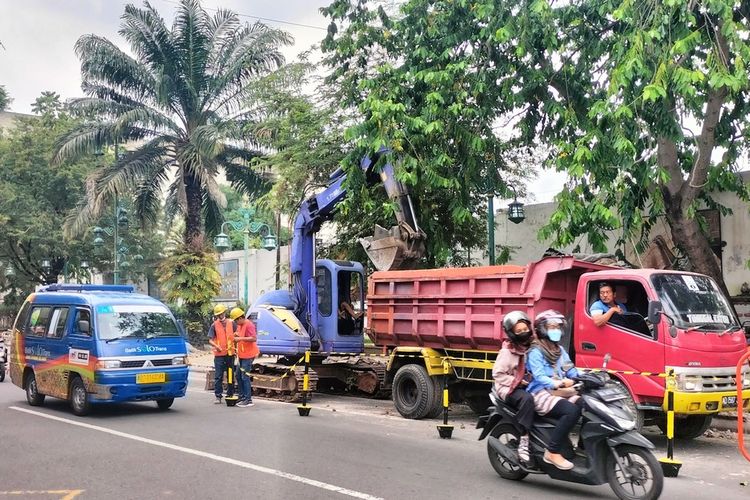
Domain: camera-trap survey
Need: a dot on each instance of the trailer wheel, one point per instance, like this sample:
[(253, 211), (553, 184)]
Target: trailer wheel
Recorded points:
[(437, 405), (413, 392), (639, 415), (479, 404), (689, 427)]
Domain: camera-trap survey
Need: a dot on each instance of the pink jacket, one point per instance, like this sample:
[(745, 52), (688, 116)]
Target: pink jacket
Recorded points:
[(505, 371)]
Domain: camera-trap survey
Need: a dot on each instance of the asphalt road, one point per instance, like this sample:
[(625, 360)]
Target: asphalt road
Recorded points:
[(346, 448)]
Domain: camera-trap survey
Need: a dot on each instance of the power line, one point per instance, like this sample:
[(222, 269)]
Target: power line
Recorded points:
[(280, 21)]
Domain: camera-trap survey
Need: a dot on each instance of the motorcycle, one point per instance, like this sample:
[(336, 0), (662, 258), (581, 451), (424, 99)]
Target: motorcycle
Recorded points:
[(3, 360), (609, 449)]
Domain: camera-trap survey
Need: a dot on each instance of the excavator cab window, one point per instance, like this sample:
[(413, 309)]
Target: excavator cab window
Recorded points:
[(350, 303), (323, 282)]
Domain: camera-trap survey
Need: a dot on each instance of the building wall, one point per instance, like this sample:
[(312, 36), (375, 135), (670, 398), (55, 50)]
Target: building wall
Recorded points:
[(261, 274), (523, 238), (735, 231)]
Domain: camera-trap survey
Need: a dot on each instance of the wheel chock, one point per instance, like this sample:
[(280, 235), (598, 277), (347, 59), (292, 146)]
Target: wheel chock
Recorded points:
[(445, 431), (303, 410)]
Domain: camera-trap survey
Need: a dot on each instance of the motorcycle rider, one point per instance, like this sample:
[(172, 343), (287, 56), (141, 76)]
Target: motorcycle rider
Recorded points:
[(509, 374), (551, 384)]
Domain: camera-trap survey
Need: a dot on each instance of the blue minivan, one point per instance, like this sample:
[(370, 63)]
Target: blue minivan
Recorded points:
[(95, 344)]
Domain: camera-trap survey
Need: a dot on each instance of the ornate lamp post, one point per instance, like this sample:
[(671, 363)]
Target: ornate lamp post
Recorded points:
[(247, 225), (119, 250), (515, 214)]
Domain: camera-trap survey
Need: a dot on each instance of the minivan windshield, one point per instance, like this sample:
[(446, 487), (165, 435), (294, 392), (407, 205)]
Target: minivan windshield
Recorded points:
[(134, 321), (695, 302)]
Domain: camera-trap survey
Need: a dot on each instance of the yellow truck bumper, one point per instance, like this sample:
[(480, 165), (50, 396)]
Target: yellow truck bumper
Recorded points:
[(697, 403)]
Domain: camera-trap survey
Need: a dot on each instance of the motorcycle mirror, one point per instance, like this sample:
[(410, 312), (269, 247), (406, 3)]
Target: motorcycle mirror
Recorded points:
[(607, 357)]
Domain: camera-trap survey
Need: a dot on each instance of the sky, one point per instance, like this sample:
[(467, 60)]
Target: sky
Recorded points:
[(38, 37)]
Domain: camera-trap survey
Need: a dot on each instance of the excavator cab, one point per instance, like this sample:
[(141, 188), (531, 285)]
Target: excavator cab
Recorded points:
[(340, 326)]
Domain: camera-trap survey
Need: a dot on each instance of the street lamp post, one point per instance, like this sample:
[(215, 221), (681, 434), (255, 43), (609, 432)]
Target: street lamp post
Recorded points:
[(118, 249), (82, 267), (247, 225), (515, 215)]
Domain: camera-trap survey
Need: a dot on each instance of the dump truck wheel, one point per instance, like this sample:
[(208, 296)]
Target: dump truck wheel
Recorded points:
[(413, 392)]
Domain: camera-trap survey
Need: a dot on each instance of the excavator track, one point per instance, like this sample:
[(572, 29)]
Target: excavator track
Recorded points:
[(362, 376), (353, 375), (281, 382)]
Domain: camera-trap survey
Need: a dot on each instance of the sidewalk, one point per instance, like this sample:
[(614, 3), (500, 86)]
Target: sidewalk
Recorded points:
[(201, 361)]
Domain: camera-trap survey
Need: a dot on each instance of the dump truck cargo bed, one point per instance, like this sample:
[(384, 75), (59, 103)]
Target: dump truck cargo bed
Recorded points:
[(463, 308)]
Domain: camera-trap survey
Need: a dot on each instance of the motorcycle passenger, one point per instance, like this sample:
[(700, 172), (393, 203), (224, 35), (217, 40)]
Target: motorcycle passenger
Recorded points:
[(551, 384), (509, 374)]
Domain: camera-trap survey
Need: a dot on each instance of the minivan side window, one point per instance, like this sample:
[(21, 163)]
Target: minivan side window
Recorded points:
[(58, 323), (82, 315), (38, 321)]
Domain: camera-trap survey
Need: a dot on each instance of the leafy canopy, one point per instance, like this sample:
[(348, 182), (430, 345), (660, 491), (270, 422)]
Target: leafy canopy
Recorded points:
[(422, 83), (179, 104), (643, 102)]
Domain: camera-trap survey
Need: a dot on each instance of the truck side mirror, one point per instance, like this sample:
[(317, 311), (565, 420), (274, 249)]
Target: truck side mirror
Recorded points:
[(83, 326), (654, 311)]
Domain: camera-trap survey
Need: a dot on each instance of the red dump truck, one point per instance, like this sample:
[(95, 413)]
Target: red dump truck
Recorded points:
[(445, 326)]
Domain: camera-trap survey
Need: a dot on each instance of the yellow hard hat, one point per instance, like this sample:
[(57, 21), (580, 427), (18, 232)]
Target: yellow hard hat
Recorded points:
[(236, 313), (219, 309)]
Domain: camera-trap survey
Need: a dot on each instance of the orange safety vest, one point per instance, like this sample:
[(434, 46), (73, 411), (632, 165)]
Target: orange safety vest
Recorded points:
[(225, 338), (247, 349)]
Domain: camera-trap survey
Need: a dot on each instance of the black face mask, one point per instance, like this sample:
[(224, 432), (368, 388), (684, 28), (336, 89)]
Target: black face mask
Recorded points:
[(524, 341)]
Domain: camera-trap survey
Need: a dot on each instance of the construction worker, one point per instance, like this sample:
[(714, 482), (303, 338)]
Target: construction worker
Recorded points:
[(221, 338), (247, 351)]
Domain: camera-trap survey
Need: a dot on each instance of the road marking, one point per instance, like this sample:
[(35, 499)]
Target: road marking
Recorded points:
[(68, 494), (218, 458)]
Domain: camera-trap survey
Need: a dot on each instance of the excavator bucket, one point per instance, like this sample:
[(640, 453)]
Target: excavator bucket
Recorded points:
[(397, 248)]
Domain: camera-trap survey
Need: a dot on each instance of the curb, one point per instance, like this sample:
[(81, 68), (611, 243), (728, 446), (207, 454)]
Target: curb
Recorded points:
[(200, 369)]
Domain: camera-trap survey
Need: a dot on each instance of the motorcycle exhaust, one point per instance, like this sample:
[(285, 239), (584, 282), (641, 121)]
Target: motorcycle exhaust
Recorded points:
[(502, 450)]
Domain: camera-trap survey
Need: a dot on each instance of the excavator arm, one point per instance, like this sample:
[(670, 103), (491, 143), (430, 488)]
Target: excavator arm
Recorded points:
[(398, 248)]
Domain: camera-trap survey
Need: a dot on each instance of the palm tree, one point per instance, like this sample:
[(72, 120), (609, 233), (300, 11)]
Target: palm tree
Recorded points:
[(181, 99)]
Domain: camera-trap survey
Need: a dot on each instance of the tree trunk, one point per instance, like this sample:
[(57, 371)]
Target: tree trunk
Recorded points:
[(194, 215), (688, 237)]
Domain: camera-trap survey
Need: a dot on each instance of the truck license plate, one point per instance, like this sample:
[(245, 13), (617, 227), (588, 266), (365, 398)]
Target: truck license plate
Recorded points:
[(729, 401), (151, 378)]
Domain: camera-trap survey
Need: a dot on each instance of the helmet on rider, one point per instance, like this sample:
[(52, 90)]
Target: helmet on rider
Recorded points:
[(550, 324), (511, 320)]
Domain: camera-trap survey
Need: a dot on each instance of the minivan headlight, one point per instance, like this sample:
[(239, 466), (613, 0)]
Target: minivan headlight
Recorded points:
[(104, 364), (179, 360)]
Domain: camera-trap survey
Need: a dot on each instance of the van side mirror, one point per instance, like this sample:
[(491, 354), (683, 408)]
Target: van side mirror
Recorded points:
[(83, 326), (654, 311)]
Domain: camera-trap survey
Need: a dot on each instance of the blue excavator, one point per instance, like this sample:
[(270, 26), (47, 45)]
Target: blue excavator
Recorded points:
[(291, 322)]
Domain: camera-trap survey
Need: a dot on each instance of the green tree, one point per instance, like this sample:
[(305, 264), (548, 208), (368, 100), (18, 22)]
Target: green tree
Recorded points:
[(34, 200), (181, 100), (5, 99), (643, 102), (424, 90), (191, 281)]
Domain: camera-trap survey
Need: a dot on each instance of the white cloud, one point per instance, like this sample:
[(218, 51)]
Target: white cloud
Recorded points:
[(39, 36)]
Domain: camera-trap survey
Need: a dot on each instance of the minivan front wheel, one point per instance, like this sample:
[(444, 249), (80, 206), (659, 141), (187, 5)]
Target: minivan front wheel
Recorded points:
[(79, 401), (33, 396)]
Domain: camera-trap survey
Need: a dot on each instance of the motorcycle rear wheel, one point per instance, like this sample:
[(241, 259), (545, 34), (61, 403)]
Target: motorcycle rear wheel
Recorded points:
[(509, 436), (647, 478)]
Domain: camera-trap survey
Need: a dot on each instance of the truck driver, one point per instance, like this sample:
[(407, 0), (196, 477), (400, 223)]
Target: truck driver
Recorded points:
[(603, 309)]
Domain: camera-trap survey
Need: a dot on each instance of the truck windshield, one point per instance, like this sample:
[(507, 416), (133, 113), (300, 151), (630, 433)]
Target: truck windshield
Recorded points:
[(134, 321), (694, 302)]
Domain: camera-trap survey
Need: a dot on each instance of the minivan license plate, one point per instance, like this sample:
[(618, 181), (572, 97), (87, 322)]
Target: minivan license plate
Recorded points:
[(729, 401), (151, 378)]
